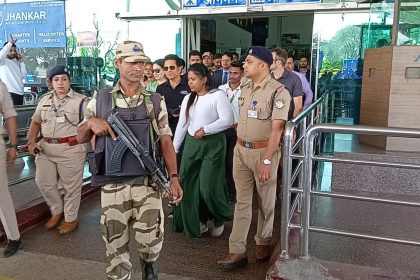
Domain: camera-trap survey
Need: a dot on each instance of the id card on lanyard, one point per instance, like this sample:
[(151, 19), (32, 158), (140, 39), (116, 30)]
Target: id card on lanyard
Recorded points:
[(57, 108)]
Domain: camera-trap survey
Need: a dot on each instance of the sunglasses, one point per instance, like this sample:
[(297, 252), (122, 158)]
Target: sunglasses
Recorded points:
[(170, 67), (157, 71)]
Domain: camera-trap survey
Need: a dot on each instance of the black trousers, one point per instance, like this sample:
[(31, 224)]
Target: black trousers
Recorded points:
[(17, 98), (231, 139)]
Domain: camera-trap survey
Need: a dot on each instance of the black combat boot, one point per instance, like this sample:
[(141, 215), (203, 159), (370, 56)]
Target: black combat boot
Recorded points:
[(148, 270)]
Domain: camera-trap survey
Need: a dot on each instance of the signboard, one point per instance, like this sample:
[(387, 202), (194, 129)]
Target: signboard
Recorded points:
[(263, 2), (34, 24), (213, 3), (86, 38)]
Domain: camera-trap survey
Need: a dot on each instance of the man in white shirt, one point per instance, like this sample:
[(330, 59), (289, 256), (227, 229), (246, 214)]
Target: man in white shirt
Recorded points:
[(232, 89), (12, 70)]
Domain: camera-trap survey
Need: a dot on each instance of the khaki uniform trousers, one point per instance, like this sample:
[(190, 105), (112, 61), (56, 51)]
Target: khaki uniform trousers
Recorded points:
[(246, 163), (7, 210), (125, 206), (61, 166)]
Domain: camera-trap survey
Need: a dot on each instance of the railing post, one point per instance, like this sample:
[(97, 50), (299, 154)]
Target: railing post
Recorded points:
[(286, 182), (308, 144)]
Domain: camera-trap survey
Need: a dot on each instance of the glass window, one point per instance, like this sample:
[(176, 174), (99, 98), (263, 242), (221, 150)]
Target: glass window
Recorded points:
[(409, 23)]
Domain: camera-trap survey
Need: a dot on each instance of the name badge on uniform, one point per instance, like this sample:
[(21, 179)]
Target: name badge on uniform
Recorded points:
[(252, 114), (60, 119)]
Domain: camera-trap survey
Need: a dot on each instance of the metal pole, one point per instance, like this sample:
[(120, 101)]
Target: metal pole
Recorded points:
[(286, 181), (306, 199), (198, 35), (396, 23)]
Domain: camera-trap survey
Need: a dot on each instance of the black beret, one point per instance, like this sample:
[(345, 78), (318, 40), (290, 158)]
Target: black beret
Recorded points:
[(261, 53), (59, 70)]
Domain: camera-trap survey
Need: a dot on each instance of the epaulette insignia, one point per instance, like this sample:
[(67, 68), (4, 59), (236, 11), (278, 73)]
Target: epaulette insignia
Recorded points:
[(280, 88), (279, 103)]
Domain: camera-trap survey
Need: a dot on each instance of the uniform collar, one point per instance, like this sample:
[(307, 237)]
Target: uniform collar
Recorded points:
[(69, 94), (140, 91), (263, 83)]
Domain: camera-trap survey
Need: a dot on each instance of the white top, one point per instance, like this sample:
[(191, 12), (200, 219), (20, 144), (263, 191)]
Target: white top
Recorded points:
[(212, 112), (233, 96), (12, 72)]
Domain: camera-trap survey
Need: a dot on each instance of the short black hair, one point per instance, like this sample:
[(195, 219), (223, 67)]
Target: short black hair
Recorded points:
[(178, 60), (160, 62), (217, 55), (13, 45), (194, 53), (235, 53), (229, 54), (237, 64)]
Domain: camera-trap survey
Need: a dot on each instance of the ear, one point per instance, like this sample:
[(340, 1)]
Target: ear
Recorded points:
[(117, 63)]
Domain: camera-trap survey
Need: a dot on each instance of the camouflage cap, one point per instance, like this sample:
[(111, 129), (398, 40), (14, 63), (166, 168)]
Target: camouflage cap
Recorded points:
[(208, 54), (132, 51)]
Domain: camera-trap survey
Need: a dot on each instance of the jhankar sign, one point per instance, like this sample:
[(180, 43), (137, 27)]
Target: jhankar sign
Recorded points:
[(34, 24)]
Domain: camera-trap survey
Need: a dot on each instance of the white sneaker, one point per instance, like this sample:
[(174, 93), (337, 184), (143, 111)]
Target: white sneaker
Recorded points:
[(203, 228), (217, 231)]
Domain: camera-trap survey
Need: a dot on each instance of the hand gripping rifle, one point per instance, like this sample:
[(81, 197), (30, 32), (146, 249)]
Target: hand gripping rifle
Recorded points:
[(139, 150)]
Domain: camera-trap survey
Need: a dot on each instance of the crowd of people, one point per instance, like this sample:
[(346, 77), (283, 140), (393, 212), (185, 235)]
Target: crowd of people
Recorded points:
[(215, 123)]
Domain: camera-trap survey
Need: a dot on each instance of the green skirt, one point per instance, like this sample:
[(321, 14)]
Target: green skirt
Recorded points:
[(202, 176)]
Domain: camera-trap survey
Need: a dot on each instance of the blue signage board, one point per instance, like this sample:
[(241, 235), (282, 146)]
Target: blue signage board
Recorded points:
[(263, 2), (34, 24), (212, 3)]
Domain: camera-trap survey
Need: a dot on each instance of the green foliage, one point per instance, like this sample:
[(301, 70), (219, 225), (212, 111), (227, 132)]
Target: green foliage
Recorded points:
[(345, 44), (71, 45)]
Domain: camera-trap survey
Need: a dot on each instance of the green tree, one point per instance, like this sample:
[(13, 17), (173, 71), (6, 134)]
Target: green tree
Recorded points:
[(345, 44)]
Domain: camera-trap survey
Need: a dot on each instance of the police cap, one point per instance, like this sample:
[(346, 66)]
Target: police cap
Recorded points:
[(261, 53), (59, 70)]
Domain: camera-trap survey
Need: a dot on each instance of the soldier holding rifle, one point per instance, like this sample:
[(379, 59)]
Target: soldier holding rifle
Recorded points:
[(128, 194)]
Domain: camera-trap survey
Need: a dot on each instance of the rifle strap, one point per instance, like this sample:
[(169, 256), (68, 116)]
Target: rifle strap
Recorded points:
[(152, 102)]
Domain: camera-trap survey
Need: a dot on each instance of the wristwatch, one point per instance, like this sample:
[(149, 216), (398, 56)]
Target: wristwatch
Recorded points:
[(175, 175), (266, 161)]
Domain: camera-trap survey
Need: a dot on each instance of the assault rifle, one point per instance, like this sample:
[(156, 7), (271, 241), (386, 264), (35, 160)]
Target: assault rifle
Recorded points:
[(139, 150)]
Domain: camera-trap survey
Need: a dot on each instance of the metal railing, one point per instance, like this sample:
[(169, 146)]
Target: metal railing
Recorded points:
[(310, 154), (318, 112)]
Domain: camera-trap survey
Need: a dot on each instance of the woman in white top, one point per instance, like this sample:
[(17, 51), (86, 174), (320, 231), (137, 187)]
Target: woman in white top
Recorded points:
[(204, 115)]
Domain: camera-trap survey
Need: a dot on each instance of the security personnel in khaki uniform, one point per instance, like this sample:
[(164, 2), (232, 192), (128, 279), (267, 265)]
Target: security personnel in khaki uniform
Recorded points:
[(7, 210), (59, 158), (128, 198), (263, 108)]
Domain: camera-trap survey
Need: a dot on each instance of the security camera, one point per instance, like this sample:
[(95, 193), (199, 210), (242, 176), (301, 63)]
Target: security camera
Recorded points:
[(117, 15)]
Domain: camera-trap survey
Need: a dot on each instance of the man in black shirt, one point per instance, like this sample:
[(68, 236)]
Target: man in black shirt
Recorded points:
[(290, 80), (174, 90)]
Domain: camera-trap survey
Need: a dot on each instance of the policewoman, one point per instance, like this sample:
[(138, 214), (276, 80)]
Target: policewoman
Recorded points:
[(263, 108), (59, 158)]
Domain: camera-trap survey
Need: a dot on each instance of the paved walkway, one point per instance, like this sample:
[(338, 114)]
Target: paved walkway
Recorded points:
[(30, 266)]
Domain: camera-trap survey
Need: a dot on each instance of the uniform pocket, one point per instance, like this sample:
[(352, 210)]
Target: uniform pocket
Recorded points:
[(264, 113), (72, 116), (95, 161)]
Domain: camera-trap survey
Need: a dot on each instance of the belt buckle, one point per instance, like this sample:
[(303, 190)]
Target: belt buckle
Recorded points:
[(247, 144), (54, 141)]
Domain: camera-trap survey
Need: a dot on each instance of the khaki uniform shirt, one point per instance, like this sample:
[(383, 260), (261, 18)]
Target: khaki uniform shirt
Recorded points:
[(258, 107), (121, 100), (59, 118), (7, 109)]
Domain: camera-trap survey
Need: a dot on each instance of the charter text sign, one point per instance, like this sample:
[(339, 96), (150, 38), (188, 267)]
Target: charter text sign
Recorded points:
[(34, 24)]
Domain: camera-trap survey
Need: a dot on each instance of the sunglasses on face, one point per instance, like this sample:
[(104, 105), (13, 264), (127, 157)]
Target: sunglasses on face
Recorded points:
[(157, 71), (170, 67)]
